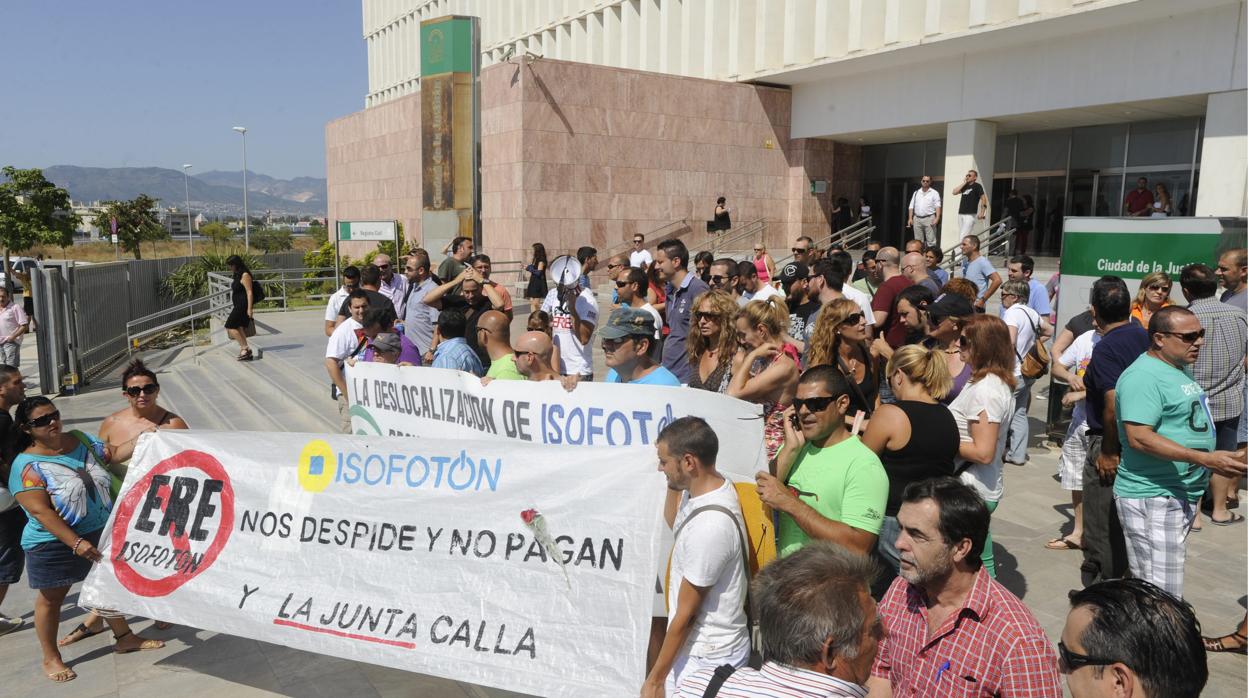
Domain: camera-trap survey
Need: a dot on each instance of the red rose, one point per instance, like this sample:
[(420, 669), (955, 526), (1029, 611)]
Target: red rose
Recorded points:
[(528, 515)]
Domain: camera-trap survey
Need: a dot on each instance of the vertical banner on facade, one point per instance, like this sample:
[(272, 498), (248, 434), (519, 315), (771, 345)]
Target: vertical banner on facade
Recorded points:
[(448, 72), (519, 566), (1132, 248)]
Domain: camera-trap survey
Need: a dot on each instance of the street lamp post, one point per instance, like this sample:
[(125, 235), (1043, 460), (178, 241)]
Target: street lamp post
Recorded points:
[(190, 227), (246, 218)]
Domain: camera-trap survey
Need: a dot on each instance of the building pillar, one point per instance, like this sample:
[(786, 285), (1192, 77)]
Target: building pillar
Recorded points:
[(1223, 184), (969, 145)]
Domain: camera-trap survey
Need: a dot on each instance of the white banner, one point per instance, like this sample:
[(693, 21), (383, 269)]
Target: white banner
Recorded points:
[(520, 566), (389, 400)]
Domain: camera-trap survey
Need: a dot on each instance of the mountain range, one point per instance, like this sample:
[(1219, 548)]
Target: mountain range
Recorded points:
[(215, 192)]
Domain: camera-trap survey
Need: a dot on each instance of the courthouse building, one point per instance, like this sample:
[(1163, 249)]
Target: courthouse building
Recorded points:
[(596, 119)]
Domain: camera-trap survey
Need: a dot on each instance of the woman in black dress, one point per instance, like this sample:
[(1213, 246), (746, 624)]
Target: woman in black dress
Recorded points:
[(243, 299), (723, 218), (536, 290)]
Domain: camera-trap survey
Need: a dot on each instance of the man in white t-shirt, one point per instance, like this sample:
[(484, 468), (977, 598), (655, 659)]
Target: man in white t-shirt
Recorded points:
[(345, 342), (572, 320), (752, 287), (640, 257), (631, 287), (1026, 328), (350, 282), (707, 582)]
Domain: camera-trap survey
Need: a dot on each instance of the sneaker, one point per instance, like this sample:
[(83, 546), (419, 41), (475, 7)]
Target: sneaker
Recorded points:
[(8, 625)]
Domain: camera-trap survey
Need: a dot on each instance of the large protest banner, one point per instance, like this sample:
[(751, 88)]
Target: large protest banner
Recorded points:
[(514, 565), (390, 400)]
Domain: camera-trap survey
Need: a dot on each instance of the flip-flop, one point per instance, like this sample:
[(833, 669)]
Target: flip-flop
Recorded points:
[(145, 645), (82, 632), (162, 625), (1235, 518), (1062, 543), (1218, 644), (63, 676)]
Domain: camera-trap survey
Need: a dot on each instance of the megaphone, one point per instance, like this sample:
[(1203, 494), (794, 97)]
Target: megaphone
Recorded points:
[(565, 271)]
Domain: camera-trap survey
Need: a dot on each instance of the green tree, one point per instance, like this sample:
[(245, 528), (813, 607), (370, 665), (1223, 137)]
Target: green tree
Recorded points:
[(272, 240), (318, 233), (219, 233), (33, 211), (136, 222)]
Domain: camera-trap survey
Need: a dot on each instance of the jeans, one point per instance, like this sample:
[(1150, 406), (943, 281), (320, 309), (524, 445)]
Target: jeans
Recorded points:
[(1104, 549), (886, 554), (1020, 428)]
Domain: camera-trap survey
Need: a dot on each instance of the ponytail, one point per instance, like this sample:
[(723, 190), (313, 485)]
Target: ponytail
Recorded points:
[(771, 313), (925, 367)]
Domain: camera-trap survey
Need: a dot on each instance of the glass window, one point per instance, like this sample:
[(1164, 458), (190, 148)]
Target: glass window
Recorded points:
[(1162, 142), (1042, 150), (934, 158), (873, 161), (1004, 159), (1098, 147), (905, 159)]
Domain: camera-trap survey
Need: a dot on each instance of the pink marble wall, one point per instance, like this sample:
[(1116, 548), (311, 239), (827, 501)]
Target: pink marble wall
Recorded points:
[(372, 167), (575, 154)]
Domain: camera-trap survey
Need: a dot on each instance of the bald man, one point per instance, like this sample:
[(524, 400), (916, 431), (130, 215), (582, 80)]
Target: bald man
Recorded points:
[(494, 336), (533, 356), (914, 267), (393, 286)]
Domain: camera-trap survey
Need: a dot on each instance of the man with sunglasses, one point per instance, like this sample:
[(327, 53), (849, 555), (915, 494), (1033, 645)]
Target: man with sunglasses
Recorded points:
[(924, 213), (640, 257), (802, 248), (617, 265), (1126, 638), (631, 287), (825, 484), (370, 285), (393, 286), (723, 277), (628, 344), (350, 282), (534, 351), (683, 287), (1167, 436), (418, 318)]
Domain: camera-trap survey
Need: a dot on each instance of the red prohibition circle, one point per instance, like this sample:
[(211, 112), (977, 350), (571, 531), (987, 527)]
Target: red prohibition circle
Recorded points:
[(127, 575)]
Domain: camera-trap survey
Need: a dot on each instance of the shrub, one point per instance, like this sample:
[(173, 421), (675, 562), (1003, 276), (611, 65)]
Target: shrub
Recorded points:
[(190, 281)]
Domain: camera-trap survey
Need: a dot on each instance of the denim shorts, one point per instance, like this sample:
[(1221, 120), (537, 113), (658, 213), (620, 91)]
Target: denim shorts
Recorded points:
[(53, 564), (12, 558)]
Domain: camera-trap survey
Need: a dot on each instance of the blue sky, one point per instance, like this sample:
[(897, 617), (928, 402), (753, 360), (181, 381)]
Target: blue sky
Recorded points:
[(130, 83)]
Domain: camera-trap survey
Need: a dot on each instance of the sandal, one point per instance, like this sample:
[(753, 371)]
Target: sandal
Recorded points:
[(1235, 518), (1063, 543), (62, 676), (162, 625), (81, 632), (1218, 644), (245, 356), (145, 645)]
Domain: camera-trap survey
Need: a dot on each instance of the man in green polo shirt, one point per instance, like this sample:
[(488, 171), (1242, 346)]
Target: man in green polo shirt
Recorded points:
[(825, 484), (1167, 437), (494, 335)]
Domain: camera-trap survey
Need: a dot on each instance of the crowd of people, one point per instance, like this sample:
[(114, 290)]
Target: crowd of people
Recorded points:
[(891, 402)]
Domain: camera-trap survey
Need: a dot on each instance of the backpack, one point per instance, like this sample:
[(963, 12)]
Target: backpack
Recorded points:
[(758, 542)]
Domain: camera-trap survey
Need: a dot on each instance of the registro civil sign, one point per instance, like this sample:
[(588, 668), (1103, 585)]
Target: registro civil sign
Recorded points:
[(521, 566), (373, 231)]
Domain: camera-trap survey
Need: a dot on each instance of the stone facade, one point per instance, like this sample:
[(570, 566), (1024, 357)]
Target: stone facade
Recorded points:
[(576, 154)]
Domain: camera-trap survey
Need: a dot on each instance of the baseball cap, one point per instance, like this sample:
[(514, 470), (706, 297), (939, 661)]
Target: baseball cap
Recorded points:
[(950, 305), (628, 322), (793, 271), (387, 342)]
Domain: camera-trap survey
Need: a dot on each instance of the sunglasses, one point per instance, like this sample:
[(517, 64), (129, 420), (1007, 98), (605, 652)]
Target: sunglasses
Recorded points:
[(613, 344), (383, 266), (622, 284), (638, 242), (1158, 287), (852, 319), (700, 315), (1187, 337), (1069, 661), (46, 419), (799, 250), (612, 266), (136, 390), (717, 279), (813, 404)]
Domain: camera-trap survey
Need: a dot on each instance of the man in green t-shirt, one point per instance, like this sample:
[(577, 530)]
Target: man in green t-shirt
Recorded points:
[(494, 335), (1167, 438), (825, 484)]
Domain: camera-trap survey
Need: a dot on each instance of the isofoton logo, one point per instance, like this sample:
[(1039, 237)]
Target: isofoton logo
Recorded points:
[(317, 466)]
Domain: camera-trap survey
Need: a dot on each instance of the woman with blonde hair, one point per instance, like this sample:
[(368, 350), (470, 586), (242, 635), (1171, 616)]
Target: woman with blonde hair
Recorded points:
[(712, 341), (916, 437), (1154, 294), (763, 262), (840, 340), (765, 368), (983, 410), (1161, 202)]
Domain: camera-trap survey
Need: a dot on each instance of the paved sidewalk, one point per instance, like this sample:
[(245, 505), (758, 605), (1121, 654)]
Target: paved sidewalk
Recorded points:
[(200, 663)]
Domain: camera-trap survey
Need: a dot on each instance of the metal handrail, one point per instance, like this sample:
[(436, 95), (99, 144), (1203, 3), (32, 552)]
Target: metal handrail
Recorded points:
[(862, 235), (653, 237), (725, 242), (848, 237)]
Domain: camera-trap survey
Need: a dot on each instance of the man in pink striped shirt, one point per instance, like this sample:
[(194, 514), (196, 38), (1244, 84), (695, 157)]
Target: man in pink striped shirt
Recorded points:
[(820, 631)]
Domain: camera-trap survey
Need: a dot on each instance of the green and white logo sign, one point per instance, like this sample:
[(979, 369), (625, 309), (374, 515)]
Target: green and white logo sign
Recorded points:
[(372, 231)]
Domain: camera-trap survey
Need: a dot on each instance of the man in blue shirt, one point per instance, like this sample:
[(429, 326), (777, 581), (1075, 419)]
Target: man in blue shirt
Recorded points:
[(672, 259), (450, 350), (978, 270), (1122, 342), (1019, 268), (627, 340)]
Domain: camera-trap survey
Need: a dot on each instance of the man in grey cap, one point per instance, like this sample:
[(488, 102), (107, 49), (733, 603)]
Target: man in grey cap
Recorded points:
[(627, 340), (386, 348)]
